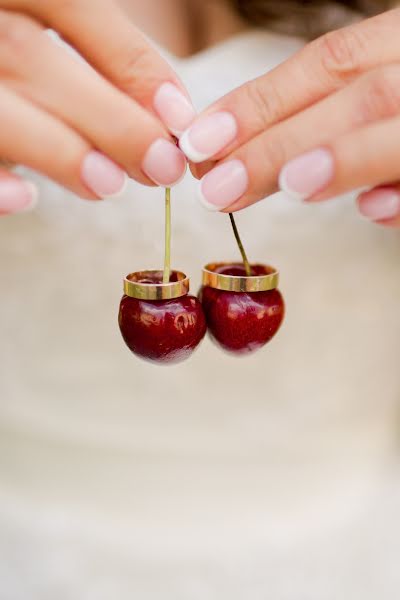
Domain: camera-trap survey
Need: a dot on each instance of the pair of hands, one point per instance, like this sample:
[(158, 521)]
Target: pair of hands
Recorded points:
[(324, 122)]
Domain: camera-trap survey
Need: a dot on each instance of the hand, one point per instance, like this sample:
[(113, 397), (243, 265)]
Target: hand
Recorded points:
[(324, 122), (85, 127)]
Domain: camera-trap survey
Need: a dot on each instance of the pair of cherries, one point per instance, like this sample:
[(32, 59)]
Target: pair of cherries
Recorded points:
[(168, 330), (239, 304)]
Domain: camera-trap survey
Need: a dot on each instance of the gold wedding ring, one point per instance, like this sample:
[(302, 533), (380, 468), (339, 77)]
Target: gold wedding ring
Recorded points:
[(269, 280), (147, 285)]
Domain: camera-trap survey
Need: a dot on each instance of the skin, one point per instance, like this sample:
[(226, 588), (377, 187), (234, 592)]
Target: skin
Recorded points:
[(112, 110), (339, 93)]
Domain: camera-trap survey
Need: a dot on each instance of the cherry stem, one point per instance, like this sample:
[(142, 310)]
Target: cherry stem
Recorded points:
[(167, 256), (240, 246)]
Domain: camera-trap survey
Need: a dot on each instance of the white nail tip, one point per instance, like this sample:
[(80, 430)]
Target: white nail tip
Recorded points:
[(34, 196), (205, 204), (120, 192), (187, 148), (284, 187), (176, 132)]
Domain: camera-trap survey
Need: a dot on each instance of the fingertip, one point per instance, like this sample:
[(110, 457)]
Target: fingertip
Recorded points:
[(17, 195), (209, 135), (185, 144), (102, 176), (174, 108), (223, 186), (380, 204), (307, 175), (164, 163), (203, 200)]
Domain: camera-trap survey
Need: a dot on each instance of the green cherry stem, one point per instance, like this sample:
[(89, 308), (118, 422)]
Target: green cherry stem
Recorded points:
[(167, 256), (240, 245)]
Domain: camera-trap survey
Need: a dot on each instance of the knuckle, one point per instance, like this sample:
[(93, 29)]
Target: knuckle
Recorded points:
[(265, 103), (382, 95), (341, 52), (133, 74)]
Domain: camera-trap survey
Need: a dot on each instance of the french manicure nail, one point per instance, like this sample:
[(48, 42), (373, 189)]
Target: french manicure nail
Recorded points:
[(17, 195), (164, 163), (101, 175), (307, 174), (208, 136), (380, 204), (173, 108), (222, 186)]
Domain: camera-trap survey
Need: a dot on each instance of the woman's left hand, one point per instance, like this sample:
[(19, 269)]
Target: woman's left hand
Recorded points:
[(324, 122)]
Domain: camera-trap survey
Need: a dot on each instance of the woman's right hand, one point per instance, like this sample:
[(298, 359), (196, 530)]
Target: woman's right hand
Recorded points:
[(85, 127)]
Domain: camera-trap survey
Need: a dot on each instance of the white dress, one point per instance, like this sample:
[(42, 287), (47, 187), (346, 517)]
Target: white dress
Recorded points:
[(272, 476)]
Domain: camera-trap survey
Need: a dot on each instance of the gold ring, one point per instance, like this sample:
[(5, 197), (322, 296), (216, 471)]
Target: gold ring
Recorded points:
[(264, 282), (147, 285)]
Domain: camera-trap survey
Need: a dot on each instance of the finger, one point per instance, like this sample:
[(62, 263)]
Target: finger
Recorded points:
[(381, 205), (16, 195), (364, 158), (104, 35), (102, 114), (373, 97), (6, 164), (319, 69), (38, 140)]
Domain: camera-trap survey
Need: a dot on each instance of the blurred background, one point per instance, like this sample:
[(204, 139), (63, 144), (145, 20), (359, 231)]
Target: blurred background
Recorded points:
[(275, 475)]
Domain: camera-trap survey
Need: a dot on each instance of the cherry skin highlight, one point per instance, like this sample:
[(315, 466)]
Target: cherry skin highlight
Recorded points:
[(242, 322), (162, 331)]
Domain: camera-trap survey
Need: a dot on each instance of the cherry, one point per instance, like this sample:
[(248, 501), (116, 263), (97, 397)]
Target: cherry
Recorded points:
[(160, 330), (241, 321)]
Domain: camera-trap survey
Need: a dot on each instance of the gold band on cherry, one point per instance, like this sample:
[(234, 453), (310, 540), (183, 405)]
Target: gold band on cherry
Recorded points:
[(240, 283), (147, 285)]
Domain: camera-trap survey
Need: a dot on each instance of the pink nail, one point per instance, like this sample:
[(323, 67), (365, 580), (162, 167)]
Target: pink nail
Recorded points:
[(208, 136), (16, 195), (101, 175), (307, 174), (380, 204), (173, 108), (222, 186), (164, 163)]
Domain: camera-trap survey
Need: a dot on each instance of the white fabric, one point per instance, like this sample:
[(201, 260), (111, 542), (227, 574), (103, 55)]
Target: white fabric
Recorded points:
[(273, 476)]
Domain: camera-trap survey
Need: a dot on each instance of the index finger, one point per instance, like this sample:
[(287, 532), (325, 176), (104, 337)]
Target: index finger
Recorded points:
[(320, 68)]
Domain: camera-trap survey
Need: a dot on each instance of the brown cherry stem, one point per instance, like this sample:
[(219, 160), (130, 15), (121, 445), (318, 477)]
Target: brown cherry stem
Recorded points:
[(167, 256), (240, 246)]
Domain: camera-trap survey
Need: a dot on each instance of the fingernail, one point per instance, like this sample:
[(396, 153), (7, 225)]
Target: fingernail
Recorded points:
[(222, 186), (173, 108), (17, 196), (208, 136), (164, 163), (101, 175), (380, 204), (307, 174)]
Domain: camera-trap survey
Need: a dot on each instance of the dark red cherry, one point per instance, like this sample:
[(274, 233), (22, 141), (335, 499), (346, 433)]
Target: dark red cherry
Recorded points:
[(165, 330), (241, 321)]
